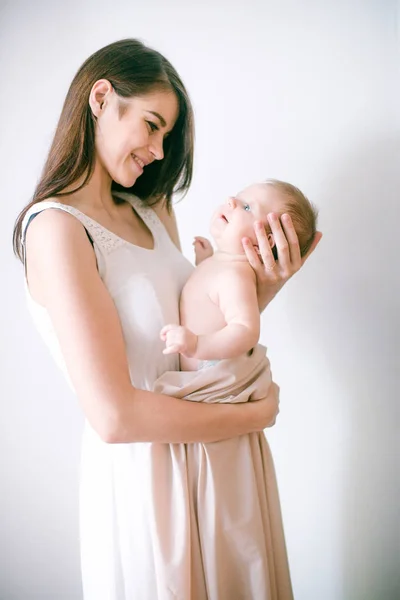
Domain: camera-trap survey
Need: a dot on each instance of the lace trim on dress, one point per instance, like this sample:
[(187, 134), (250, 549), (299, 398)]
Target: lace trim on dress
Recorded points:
[(106, 240)]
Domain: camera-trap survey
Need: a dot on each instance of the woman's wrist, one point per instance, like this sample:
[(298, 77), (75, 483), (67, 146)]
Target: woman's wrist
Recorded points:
[(267, 295), (249, 415)]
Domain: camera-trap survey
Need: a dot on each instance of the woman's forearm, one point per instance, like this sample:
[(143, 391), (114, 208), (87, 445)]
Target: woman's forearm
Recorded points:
[(266, 296), (151, 417)]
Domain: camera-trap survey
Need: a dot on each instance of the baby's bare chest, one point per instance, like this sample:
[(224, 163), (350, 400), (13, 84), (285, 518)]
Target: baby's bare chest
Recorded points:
[(199, 306)]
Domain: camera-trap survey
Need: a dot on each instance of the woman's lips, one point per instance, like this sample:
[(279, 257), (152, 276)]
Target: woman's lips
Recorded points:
[(139, 163)]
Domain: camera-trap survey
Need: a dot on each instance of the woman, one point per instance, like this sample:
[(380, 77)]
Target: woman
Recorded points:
[(104, 274)]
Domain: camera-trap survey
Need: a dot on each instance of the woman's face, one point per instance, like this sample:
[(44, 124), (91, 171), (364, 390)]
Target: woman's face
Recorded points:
[(126, 144)]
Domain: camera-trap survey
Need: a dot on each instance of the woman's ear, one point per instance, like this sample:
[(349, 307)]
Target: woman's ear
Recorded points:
[(99, 95)]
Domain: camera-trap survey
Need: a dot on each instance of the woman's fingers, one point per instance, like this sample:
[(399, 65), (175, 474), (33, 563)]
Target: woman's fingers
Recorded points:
[(293, 242), (268, 270), (251, 254), (264, 246), (281, 241)]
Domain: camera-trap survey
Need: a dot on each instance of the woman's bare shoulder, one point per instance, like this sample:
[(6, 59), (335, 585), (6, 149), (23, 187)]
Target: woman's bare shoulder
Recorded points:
[(53, 226), (63, 278), (56, 244)]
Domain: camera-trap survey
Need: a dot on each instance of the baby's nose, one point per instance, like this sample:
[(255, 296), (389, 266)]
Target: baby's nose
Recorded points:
[(231, 202)]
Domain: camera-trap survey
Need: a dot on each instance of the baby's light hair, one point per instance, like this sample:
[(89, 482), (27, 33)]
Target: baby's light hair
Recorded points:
[(303, 213)]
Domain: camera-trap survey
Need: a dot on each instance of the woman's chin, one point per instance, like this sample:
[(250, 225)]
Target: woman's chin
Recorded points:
[(127, 181)]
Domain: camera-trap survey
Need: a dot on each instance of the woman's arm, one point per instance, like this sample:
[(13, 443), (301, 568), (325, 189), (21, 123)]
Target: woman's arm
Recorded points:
[(273, 274), (63, 276)]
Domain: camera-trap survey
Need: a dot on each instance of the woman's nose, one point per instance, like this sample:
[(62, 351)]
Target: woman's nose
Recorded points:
[(156, 149)]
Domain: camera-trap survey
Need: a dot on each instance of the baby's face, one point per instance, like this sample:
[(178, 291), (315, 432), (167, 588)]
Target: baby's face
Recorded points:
[(235, 220)]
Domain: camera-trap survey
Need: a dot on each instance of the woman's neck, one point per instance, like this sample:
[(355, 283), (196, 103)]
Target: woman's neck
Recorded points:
[(96, 195)]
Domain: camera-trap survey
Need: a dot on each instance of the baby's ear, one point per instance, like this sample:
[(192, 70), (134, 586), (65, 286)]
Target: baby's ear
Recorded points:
[(273, 245), (271, 240)]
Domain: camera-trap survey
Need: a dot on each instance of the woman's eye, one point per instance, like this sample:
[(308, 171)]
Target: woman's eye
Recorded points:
[(152, 126), (246, 206)]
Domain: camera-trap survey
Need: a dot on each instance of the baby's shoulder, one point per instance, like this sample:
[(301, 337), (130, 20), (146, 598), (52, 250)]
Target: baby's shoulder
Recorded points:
[(232, 273), (236, 268)]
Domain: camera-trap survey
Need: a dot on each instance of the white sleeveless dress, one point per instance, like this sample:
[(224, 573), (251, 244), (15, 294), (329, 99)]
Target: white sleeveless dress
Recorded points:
[(141, 536)]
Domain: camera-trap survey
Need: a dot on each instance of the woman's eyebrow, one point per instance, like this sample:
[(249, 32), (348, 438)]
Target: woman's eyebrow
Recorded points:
[(159, 117)]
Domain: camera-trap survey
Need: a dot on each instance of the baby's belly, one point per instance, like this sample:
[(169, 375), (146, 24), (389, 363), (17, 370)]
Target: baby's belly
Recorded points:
[(202, 317), (189, 364)]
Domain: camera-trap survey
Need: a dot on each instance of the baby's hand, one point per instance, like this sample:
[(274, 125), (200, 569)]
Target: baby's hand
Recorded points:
[(178, 339), (202, 249)]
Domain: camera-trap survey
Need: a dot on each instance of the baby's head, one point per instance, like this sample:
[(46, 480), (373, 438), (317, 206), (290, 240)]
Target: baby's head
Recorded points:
[(302, 212), (236, 218)]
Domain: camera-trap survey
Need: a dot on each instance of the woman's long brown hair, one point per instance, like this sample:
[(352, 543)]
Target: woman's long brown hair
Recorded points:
[(133, 69)]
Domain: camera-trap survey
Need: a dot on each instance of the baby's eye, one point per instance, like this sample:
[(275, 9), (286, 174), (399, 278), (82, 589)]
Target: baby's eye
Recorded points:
[(246, 206)]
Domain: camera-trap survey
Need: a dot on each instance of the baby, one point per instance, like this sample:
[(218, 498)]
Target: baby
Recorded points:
[(219, 310), (222, 362)]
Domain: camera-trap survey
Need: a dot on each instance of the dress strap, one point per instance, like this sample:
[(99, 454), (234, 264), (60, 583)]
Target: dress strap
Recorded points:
[(101, 240), (104, 239)]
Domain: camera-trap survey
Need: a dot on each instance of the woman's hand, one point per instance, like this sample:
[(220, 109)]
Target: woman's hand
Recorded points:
[(273, 274), (267, 409)]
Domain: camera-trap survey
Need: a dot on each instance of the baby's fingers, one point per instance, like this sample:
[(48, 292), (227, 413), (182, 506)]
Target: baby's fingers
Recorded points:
[(166, 329), (201, 240), (172, 350)]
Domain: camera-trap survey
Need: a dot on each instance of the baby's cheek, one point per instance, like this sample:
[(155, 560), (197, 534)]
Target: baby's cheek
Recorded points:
[(244, 227), (250, 233)]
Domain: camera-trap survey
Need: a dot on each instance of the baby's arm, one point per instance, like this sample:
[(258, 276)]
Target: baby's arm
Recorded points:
[(237, 300), (202, 249)]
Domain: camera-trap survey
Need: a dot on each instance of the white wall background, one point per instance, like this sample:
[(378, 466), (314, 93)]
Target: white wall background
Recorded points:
[(305, 91)]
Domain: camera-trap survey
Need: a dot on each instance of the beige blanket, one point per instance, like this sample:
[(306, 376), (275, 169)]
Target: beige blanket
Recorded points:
[(236, 535)]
